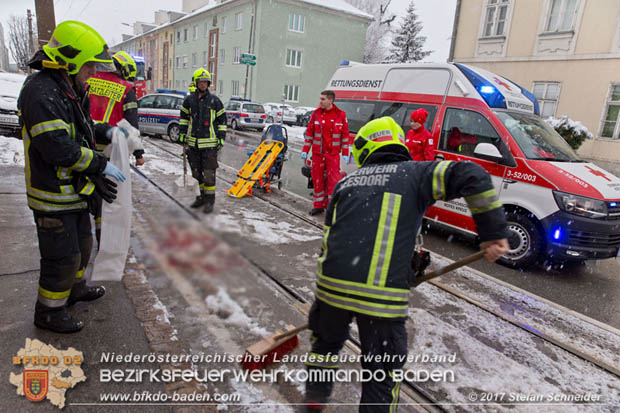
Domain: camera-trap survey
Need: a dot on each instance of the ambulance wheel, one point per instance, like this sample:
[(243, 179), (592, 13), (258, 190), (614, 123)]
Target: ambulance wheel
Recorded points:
[(174, 133), (524, 240), (234, 125)]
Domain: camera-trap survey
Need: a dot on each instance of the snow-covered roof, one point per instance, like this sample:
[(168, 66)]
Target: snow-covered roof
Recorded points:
[(337, 5)]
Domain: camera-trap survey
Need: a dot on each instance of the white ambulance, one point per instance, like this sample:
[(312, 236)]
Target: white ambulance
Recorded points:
[(558, 206)]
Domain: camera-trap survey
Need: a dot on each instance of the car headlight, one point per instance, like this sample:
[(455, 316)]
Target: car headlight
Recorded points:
[(580, 205)]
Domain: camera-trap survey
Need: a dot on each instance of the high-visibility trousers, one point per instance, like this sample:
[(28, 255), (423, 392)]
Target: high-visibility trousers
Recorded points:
[(325, 175)]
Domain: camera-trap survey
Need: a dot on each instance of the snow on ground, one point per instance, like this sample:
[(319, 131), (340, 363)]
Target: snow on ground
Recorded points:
[(552, 321), (168, 165), (232, 314), (11, 151), (494, 356), (262, 227)]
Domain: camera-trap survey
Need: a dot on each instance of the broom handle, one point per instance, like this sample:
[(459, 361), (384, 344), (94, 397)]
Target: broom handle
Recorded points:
[(290, 332), (448, 268), (418, 281)]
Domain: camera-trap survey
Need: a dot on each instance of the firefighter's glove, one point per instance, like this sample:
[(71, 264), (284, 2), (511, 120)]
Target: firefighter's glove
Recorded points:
[(112, 170), (220, 144), (419, 261), (182, 138), (105, 188), (304, 155)]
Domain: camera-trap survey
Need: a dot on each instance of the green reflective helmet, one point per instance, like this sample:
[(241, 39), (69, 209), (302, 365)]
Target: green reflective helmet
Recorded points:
[(378, 133), (201, 74), (74, 43), (125, 63)]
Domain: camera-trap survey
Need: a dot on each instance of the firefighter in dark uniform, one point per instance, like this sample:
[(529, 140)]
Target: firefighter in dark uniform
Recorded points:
[(113, 98), (203, 125), (63, 172), (364, 271)]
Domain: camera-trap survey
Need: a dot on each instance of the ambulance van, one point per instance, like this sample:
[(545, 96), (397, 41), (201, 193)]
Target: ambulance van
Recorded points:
[(558, 207)]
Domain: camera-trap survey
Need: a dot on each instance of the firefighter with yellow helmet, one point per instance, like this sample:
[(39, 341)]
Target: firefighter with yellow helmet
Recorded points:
[(112, 98), (64, 174), (388, 195), (203, 126)]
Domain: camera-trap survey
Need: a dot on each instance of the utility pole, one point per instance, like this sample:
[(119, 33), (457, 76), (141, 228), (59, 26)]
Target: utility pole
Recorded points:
[(30, 42), (247, 68), (46, 20)]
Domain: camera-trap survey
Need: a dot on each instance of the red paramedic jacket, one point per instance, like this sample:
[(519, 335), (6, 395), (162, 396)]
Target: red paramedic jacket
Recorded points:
[(327, 132), (420, 144)]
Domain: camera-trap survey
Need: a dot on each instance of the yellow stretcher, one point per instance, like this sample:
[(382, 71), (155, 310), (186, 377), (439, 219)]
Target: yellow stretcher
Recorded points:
[(256, 169)]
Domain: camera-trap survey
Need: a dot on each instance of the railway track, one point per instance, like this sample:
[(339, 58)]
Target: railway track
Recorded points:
[(411, 389)]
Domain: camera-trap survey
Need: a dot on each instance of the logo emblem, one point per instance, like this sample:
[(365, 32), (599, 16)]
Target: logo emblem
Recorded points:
[(502, 83), (36, 384), (597, 173)]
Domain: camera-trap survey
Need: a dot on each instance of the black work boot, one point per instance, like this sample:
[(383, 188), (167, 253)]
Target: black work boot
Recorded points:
[(200, 201), (81, 292), (209, 203), (57, 320), (316, 211)]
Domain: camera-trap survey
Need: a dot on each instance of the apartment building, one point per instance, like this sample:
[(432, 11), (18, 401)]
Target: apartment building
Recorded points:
[(567, 52)]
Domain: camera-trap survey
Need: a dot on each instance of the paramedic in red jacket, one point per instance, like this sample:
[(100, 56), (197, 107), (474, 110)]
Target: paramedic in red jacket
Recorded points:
[(328, 136), (419, 141)]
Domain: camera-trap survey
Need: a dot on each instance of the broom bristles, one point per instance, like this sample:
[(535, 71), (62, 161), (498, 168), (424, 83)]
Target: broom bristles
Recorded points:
[(277, 352)]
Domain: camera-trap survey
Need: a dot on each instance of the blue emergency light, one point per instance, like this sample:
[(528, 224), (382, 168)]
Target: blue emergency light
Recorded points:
[(613, 204), (487, 89), (557, 234)]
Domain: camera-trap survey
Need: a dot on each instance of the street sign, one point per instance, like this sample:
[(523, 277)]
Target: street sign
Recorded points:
[(248, 59)]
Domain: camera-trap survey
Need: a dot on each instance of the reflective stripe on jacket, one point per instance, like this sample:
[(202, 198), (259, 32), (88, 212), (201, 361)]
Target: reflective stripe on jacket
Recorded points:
[(203, 120), (327, 132), (373, 219), (58, 141)]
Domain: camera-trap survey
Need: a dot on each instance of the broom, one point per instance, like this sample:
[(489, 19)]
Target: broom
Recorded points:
[(264, 352)]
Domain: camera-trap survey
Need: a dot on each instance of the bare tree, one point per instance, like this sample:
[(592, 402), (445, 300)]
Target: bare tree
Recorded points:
[(379, 31), (19, 44)]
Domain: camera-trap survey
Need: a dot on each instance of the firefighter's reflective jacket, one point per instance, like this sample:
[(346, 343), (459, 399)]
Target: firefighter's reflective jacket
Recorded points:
[(112, 99), (373, 219), (206, 118), (58, 143)]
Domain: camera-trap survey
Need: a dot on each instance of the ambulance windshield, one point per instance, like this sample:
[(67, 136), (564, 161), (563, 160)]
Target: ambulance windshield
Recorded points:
[(536, 138)]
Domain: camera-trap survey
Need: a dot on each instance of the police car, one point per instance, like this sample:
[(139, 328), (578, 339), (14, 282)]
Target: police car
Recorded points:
[(243, 114), (159, 113)]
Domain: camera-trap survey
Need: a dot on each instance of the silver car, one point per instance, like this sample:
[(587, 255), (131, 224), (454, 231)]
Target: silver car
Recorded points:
[(245, 115), (159, 113), (280, 112), (10, 86)]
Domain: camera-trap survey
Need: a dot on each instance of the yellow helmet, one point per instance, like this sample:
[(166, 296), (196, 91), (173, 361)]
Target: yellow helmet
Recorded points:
[(201, 74), (378, 133), (125, 63), (74, 43)]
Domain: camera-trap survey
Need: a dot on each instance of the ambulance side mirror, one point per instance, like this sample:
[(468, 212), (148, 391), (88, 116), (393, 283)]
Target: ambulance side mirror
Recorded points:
[(487, 151)]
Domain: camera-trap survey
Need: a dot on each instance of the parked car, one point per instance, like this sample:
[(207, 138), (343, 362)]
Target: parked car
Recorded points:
[(243, 114), (277, 112), (300, 112), (10, 85), (304, 119), (159, 113)]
